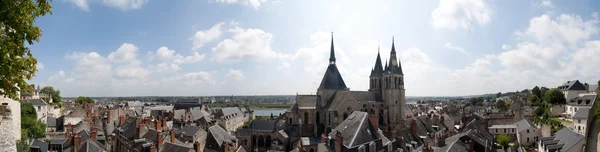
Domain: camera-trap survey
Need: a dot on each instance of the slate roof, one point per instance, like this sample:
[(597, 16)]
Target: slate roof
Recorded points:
[(170, 147), (572, 85), (228, 111), (332, 79), (187, 104), (564, 139), (583, 100), (134, 104), (51, 122), (36, 102), (582, 113), (179, 114), (262, 125), (91, 146), (220, 135), (524, 125), (366, 96), (356, 130), (454, 145), (77, 111), (306, 101), (188, 130), (592, 87), (377, 71), (43, 146)]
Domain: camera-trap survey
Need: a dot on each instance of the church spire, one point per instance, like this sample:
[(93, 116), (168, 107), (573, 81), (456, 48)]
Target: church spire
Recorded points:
[(332, 53), (378, 69)]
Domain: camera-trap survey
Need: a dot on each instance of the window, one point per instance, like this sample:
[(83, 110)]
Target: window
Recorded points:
[(361, 148), (39, 107), (578, 120), (528, 139), (496, 130), (527, 130), (579, 128), (504, 130), (372, 147)]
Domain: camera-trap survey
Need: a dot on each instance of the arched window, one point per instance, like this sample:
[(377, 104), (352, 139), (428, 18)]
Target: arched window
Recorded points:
[(395, 82), (379, 83), (305, 117), (311, 150), (290, 122)]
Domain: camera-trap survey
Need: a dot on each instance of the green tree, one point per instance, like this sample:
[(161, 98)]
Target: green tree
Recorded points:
[(534, 100), (499, 94), (82, 99), (500, 104), (503, 140), (54, 93), (554, 96), (543, 91), (17, 32), (536, 91), (32, 128)]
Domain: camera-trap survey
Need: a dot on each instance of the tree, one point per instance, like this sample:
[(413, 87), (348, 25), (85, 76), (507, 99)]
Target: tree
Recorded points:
[(499, 94), (54, 93), (536, 91), (31, 127), (82, 99), (17, 26), (500, 104), (534, 100), (543, 91), (503, 140), (554, 96)]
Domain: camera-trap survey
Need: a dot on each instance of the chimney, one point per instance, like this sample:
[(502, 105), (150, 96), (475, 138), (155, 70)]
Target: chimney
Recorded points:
[(162, 114), (485, 121), (77, 142), (324, 138), (164, 123), (197, 147), (147, 121), (108, 116), (159, 139), (339, 141), (374, 119), (121, 120), (224, 147), (158, 125), (152, 148), (471, 145), (68, 131), (442, 119), (141, 130), (173, 135), (413, 126), (94, 133)]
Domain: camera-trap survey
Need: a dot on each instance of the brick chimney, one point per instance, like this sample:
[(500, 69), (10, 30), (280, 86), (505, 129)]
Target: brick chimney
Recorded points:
[(442, 119), (141, 130), (108, 116), (413, 126), (224, 147), (339, 141), (324, 138), (158, 125), (147, 121), (471, 145), (94, 133), (164, 123), (159, 139), (152, 148), (172, 135), (121, 120), (76, 141), (374, 119), (197, 147), (68, 131)]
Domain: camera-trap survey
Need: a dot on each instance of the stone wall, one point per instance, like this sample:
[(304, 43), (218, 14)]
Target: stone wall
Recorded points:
[(10, 125), (15, 108)]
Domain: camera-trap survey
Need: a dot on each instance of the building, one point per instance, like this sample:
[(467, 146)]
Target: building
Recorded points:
[(527, 133), (41, 109), (219, 140), (10, 123), (564, 140), (572, 88), (580, 120), (583, 100), (360, 132), (334, 102), (510, 130), (231, 118)]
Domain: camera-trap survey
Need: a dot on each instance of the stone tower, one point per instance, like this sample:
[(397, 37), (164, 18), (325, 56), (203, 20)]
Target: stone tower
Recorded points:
[(392, 89)]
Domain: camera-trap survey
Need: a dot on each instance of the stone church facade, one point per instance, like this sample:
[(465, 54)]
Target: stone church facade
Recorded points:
[(319, 114)]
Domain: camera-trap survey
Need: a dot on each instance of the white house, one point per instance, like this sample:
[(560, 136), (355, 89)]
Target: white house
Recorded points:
[(510, 130), (41, 109), (231, 117), (527, 132), (572, 88), (564, 140), (580, 119), (583, 100)]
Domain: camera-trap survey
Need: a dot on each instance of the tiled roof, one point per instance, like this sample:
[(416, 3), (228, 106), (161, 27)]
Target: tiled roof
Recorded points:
[(262, 125), (220, 135), (332, 79), (36, 102), (356, 130)]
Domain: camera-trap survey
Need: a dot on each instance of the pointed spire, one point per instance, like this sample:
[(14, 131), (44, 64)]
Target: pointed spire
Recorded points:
[(332, 53), (393, 47)]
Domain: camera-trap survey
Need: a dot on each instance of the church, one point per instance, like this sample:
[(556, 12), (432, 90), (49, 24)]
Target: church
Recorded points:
[(384, 103)]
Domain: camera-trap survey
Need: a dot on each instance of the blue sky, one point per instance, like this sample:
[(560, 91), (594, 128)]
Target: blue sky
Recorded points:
[(247, 47)]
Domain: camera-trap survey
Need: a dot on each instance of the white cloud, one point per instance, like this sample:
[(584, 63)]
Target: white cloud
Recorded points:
[(205, 36), (193, 78), (82, 4), (126, 53), (506, 47), (249, 43), (40, 66), (166, 55), (547, 3), (125, 4), (236, 75), (457, 48), (568, 29), (60, 77), (452, 14), (253, 3), (167, 67), (344, 28)]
